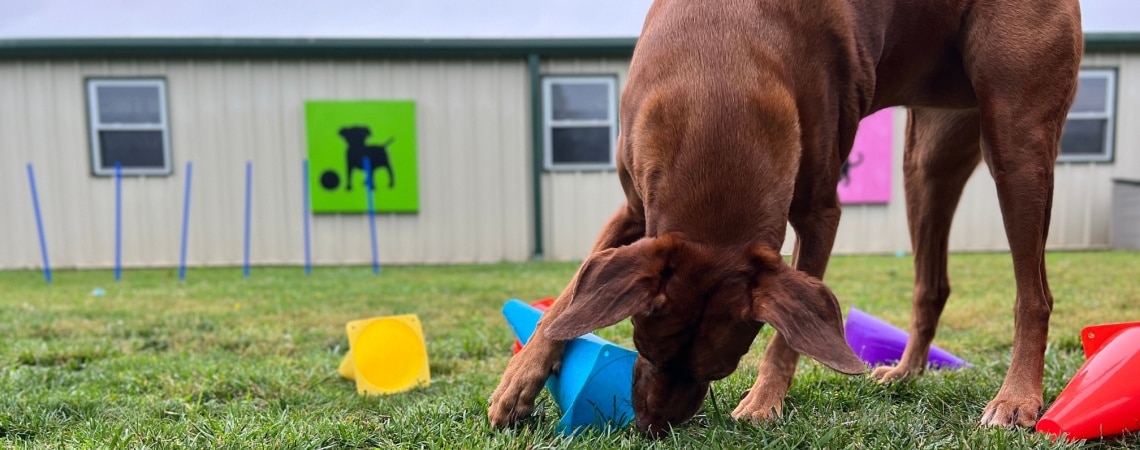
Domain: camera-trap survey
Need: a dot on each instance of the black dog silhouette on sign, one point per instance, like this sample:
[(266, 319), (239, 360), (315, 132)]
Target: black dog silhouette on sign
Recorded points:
[(377, 155), (845, 170)]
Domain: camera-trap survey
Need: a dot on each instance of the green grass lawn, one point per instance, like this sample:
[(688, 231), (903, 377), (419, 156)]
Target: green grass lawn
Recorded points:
[(224, 362)]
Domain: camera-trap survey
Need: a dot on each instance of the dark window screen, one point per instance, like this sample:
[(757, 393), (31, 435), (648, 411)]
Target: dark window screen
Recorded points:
[(135, 149), (580, 145)]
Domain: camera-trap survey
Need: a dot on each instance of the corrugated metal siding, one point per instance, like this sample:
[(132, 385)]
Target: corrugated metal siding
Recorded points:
[(474, 162), (577, 204), (883, 228), (575, 210), (1126, 215), (1127, 163), (1081, 199)]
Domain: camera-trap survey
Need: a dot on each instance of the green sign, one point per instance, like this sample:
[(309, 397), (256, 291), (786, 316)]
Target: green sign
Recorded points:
[(346, 136)]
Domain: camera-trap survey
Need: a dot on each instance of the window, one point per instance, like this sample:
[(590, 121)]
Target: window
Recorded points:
[(579, 122), (128, 125), (1089, 132)]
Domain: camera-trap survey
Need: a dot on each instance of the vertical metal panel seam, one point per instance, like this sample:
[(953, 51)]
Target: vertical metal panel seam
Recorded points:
[(534, 67)]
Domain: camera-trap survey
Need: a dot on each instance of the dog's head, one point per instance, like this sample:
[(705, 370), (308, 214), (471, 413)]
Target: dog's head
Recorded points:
[(355, 134), (695, 313)]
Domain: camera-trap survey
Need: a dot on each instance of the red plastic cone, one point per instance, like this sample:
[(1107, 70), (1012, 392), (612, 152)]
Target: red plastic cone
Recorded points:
[(542, 305), (1103, 398)]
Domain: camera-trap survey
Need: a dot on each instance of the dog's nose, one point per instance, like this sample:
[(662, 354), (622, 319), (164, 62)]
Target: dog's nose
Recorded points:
[(657, 418), (654, 427)]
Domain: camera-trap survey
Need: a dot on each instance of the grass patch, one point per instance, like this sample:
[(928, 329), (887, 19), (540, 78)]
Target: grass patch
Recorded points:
[(224, 362)]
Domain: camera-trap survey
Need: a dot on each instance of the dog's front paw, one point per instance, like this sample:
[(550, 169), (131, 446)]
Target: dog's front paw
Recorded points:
[(891, 374), (1008, 411), (513, 400), (757, 408)]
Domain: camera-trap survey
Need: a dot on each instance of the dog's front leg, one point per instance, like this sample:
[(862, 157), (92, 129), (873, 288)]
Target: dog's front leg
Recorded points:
[(765, 400), (528, 370), (815, 235), (525, 375)]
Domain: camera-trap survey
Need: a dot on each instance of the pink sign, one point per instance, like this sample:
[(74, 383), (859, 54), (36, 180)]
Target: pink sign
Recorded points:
[(866, 177)]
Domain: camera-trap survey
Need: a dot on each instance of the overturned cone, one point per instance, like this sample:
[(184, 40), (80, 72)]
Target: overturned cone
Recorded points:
[(594, 386), (878, 343), (1103, 398), (386, 355)]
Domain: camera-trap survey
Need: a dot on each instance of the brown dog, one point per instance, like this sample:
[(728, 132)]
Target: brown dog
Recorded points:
[(736, 119)]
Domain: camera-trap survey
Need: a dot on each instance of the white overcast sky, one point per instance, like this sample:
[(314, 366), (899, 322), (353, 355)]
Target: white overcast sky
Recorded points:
[(376, 18)]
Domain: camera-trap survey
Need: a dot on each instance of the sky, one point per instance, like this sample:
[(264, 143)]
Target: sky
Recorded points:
[(20, 19), (322, 18)]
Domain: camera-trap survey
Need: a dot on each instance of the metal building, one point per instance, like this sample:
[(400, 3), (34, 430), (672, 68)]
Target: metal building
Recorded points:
[(507, 127)]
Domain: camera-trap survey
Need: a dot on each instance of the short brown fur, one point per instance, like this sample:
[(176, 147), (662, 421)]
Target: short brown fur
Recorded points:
[(736, 119)]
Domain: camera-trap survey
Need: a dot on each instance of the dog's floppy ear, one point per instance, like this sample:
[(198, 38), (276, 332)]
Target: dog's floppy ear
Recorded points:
[(611, 285), (806, 313)]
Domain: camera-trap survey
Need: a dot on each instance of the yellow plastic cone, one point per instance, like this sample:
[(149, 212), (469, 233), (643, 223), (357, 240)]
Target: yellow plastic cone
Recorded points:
[(386, 355), (346, 368)]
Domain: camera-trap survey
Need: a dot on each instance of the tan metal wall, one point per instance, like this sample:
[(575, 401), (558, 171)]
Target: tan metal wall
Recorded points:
[(474, 162), (576, 204), (1081, 200)]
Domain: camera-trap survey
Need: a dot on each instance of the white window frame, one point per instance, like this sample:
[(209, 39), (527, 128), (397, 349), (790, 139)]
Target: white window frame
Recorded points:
[(95, 126), (548, 122), (1109, 115)]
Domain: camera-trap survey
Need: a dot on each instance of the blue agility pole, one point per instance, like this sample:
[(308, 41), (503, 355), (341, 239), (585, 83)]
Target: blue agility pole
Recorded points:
[(185, 222), (369, 190), (305, 212), (118, 221), (248, 202), (39, 223)]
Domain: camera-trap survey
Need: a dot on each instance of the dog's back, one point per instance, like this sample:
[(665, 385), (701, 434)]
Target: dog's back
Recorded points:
[(683, 138)]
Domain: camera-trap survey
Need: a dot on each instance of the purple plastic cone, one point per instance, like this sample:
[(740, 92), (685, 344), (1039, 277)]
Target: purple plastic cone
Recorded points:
[(879, 343)]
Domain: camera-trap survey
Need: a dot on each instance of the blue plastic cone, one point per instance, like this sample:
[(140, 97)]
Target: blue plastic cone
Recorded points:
[(594, 387), (879, 343)]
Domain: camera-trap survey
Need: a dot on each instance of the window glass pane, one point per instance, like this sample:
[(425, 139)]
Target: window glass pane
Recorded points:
[(128, 104), (577, 145), (137, 149), (580, 101), (1084, 137), (1092, 95)]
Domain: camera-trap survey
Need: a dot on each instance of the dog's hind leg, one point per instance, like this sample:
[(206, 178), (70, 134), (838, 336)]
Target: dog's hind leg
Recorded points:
[(1023, 58), (513, 399), (941, 154)]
